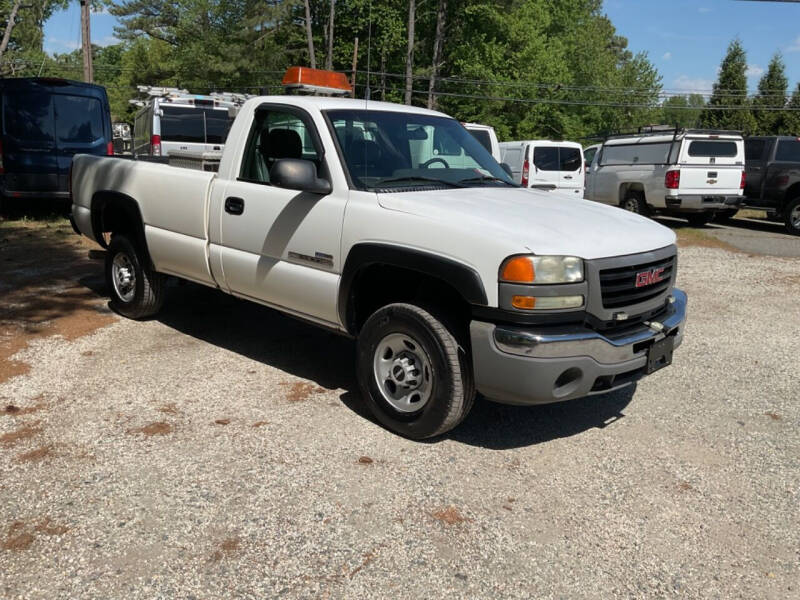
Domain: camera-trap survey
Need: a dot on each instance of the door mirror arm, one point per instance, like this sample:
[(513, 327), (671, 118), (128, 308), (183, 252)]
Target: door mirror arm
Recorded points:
[(298, 174)]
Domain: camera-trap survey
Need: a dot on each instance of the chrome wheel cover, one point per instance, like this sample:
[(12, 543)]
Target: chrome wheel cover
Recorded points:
[(403, 372), (123, 276)]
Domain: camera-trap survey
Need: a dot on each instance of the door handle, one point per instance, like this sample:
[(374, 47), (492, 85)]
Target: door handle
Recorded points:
[(234, 205), (567, 176)]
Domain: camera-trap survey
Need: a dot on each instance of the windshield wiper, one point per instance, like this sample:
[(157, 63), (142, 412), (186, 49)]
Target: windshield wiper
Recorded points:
[(482, 178), (413, 178)]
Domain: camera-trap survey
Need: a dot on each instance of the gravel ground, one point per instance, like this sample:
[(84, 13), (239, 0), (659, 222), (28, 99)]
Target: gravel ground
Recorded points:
[(221, 451)]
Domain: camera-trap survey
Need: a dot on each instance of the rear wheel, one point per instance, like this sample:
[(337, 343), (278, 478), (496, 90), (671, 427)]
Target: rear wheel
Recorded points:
[(699, 219), (792, 218), (414, 374), (634, 202), (137, 290)]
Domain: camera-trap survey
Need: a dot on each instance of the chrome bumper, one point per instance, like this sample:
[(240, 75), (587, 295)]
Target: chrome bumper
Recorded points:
[(695, 203), (518, 365), (585, 342)]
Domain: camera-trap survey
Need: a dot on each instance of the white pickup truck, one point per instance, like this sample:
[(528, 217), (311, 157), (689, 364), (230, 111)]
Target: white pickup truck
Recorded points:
[(451, 278)]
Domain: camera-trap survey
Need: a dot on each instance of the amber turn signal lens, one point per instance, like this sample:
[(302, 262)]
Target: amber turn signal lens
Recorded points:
[(518, 269), (525, 302)]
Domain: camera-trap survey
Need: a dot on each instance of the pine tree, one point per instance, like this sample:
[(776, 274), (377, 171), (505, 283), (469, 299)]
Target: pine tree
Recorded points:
[(772, 90), (730, 90), (792, 116)]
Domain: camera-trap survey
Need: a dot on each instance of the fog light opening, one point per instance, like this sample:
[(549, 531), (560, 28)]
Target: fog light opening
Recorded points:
[(567, 382)]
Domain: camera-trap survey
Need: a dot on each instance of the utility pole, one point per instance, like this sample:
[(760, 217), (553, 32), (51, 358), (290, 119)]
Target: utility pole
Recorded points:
[(86, 34)]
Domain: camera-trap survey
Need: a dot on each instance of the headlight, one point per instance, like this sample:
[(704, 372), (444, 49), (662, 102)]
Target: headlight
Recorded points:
[(542, 269)]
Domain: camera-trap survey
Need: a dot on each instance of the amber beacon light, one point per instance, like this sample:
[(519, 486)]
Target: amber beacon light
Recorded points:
[(304, 79)]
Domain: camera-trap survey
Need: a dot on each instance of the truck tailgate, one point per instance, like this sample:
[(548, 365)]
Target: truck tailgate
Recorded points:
[(712, 180)]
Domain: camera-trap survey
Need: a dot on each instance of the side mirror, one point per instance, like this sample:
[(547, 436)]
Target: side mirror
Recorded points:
[(507, 168), (298, 174)]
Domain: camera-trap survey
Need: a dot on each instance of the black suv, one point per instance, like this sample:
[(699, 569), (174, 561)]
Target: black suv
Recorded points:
[(772, 165)]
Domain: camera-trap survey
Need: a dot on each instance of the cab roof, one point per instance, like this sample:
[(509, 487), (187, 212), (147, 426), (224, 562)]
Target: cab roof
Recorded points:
[(323, 103)]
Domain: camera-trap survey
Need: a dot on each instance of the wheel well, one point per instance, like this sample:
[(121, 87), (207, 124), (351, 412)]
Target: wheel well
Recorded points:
[(377, 285), (636, 188), (114, 213), (792, 193)]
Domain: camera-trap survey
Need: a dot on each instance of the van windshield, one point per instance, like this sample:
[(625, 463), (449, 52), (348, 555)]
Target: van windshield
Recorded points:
[(388, 151), (194, 125)]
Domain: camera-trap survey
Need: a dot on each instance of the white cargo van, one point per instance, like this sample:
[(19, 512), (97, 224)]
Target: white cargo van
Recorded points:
[(175, 120), (546, 165), (688, 172), (486, 135)]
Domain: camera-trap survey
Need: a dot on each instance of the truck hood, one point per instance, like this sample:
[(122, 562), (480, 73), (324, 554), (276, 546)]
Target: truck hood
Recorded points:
[(536, 221)]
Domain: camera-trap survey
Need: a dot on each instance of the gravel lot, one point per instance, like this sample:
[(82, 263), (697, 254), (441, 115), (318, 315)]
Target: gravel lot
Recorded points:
[(222, 451)]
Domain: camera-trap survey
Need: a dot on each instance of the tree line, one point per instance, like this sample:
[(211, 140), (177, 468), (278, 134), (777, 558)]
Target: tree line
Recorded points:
[(530, 68)]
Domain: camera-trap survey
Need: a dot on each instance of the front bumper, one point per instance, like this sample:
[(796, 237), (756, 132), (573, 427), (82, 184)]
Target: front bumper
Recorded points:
[(517, 365), (702, 203)]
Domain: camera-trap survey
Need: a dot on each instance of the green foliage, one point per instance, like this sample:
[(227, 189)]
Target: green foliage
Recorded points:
[(772, 91), (792, 119), (730, 90), (683, 111)]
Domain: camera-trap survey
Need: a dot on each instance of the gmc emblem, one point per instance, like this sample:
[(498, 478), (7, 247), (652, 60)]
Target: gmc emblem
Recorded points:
[(649, 277)]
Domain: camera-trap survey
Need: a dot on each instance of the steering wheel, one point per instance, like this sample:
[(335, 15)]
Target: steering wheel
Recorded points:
[(427, 164)]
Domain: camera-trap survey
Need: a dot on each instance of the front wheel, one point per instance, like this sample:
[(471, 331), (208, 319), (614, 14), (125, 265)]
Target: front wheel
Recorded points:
[(792, 219), (414, 374), (137, 290)]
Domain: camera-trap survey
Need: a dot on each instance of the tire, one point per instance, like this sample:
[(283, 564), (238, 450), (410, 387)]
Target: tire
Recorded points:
[(634, 202), (137, 291), (699, 219), (792, 216), (403, 351), (725, 215)]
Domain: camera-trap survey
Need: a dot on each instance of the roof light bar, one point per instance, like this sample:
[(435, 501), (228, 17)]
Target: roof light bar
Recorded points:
[(304, 79)]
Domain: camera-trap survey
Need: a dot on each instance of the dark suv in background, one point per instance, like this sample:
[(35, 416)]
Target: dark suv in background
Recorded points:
[(772, 166), (45, 122)]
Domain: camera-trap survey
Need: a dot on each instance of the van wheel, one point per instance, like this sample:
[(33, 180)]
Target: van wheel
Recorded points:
[(699, 219), (415, 376), (137, 291), (634, 202), (792, 213)]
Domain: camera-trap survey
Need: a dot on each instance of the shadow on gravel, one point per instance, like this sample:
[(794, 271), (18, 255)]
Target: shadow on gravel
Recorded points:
[(261, 334), (501, 427), (327, 359)]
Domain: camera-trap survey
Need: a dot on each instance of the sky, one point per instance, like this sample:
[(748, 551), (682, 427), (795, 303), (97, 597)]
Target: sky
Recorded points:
[(685, 39)]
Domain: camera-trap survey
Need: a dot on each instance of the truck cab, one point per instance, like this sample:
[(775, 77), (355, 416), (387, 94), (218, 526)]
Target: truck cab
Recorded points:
[(772, 164)]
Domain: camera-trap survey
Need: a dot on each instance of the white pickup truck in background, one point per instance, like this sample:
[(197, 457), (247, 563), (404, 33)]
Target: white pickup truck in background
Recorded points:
[(692, 173), (452, 278)]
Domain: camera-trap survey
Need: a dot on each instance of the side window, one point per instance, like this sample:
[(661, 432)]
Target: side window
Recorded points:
[(545, 158), (275, 135), (588, 155), (788, 150), (754, 149), (569, 159)]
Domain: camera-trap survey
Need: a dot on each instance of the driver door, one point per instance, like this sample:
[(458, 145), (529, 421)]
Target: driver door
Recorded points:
[(280, 246)]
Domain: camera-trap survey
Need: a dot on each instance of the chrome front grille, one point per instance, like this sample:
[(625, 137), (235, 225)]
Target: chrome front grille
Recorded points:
[(618, 286)]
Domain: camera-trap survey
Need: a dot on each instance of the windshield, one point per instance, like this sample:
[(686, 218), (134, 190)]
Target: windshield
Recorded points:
[(392, 151)]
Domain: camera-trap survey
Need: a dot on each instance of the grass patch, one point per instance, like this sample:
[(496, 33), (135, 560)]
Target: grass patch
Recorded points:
[(698, 238)]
